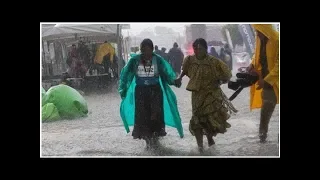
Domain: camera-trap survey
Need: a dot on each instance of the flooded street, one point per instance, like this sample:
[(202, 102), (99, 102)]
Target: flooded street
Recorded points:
[(102, 132), (88, 56)]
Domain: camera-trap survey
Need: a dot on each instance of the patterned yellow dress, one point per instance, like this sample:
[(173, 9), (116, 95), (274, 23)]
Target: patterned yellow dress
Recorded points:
[(210, 107)]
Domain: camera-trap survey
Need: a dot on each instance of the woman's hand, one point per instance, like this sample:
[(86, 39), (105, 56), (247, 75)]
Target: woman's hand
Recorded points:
[(260, 84), (177, 82), (250, 68)]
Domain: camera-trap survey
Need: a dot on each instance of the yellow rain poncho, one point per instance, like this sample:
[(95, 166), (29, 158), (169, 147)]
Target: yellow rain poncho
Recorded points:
[(103, 50), (273, 63)]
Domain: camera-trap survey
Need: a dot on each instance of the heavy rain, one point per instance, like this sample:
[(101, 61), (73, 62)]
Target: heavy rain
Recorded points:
[(89, 88)]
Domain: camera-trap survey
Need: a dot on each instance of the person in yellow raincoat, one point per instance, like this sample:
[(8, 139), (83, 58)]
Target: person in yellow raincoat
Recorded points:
[(265, 93), (104, 49)]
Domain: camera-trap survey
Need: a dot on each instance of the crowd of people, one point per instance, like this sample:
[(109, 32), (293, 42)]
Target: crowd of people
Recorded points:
[(225, 55), (174, 57), (154, 104), (79, 59), (82, 60)]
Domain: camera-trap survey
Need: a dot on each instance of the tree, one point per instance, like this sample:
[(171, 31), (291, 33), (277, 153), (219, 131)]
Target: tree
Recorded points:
[(235, 35)]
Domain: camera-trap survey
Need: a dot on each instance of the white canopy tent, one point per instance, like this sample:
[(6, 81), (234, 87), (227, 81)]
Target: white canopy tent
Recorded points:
[(66, 31), (70, 33)]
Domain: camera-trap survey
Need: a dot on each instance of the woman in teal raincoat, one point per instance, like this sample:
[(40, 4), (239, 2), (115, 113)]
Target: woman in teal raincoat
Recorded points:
[(148, 103)]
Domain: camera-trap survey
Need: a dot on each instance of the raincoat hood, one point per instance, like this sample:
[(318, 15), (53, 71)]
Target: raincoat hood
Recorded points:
[(267, 30)]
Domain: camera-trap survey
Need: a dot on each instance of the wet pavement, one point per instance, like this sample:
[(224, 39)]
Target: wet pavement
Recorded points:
[(102, 132)]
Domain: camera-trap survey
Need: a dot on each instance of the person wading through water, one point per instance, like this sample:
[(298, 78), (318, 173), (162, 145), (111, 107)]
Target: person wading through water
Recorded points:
[(152, 99), (265, 62), (210, 107)]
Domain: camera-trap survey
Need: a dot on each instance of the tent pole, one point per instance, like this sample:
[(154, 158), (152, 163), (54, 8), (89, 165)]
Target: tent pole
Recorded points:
[(120, 64)]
